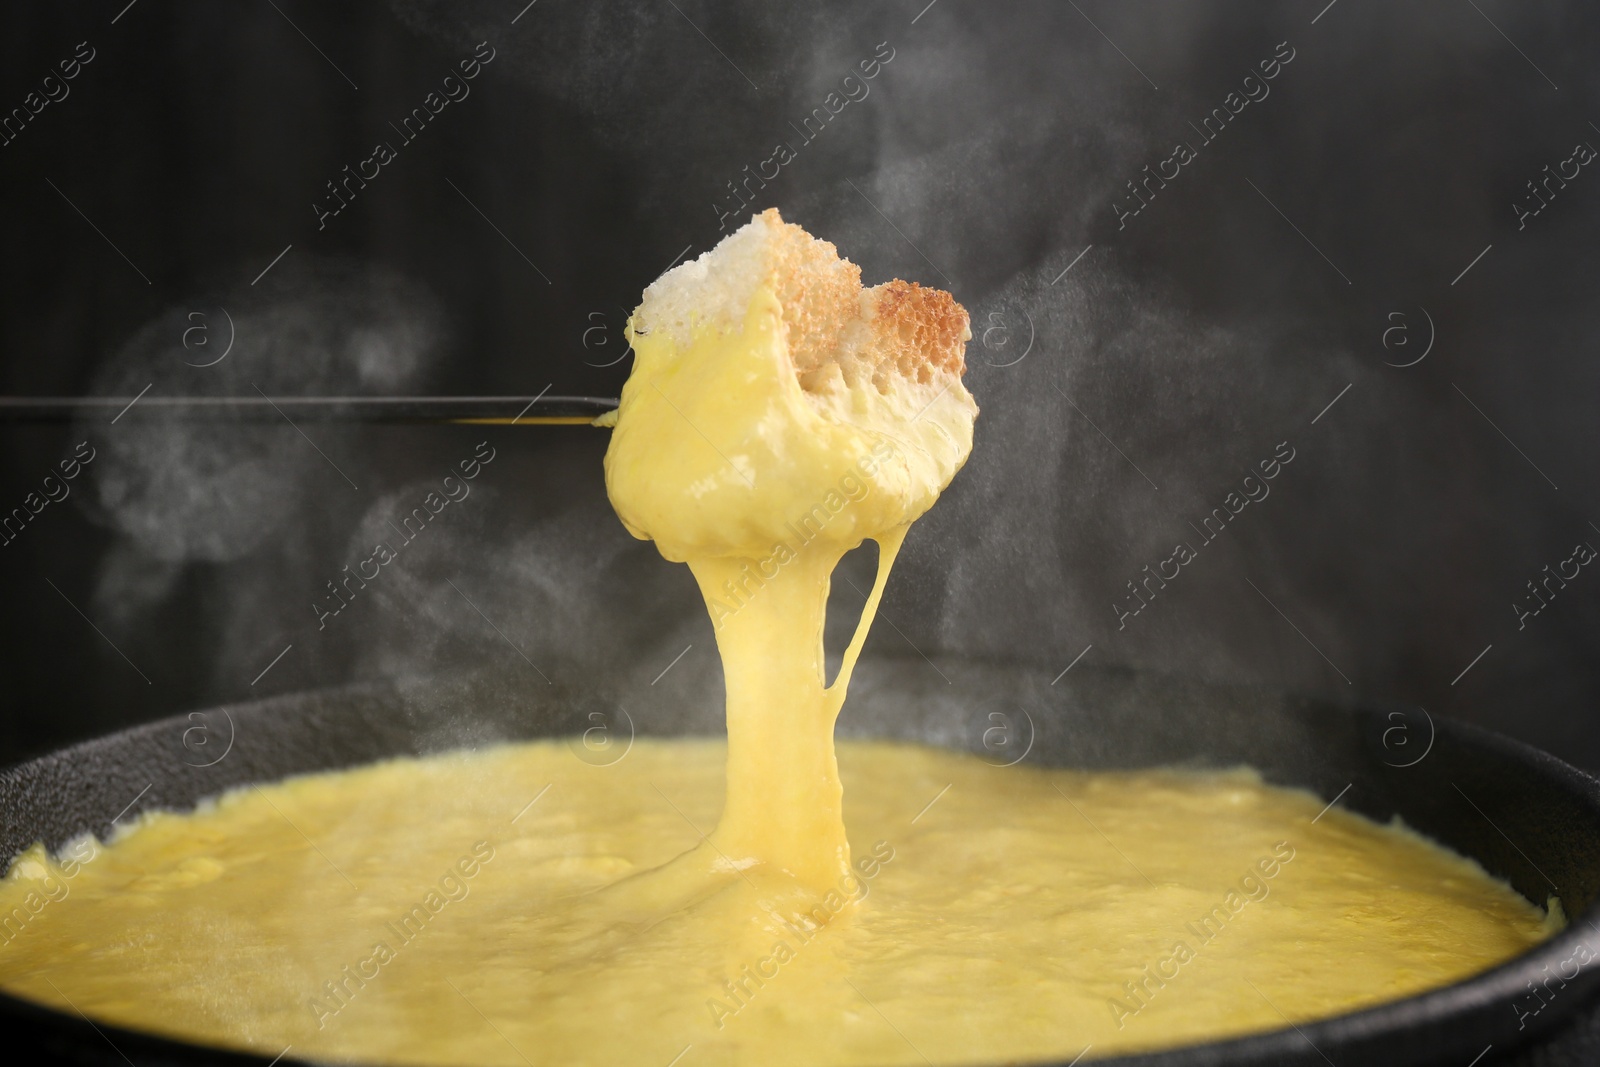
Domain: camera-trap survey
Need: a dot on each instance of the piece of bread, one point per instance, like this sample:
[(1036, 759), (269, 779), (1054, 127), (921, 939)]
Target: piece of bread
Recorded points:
[(771, 393), (897, 330)]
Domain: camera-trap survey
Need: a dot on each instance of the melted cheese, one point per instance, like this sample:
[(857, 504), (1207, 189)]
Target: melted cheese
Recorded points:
[(427, 916), (722, 459)]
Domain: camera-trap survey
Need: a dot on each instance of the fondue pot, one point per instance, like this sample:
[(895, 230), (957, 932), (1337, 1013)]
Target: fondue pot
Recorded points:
[(1524, 815)]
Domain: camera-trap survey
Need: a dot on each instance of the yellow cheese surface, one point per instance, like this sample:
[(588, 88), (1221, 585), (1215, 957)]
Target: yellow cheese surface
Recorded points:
[(421, 912)]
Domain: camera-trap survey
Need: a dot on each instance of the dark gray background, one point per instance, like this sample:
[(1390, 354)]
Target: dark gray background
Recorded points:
[(500, 250)]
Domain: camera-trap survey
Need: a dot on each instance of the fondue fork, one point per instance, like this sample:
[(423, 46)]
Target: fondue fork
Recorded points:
[(538, 410)]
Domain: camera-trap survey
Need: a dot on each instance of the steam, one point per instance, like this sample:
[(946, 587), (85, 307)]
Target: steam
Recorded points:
[(1170, 357), (214, 493), (178, 495)]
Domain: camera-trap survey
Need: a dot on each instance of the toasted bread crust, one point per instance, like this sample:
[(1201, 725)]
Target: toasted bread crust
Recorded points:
[(919, 331), (896, 329), (818, 289)]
